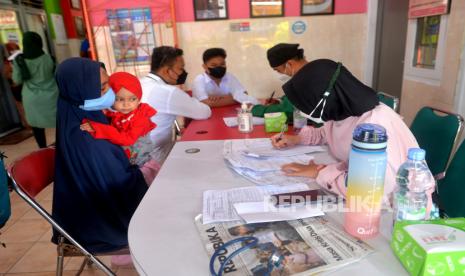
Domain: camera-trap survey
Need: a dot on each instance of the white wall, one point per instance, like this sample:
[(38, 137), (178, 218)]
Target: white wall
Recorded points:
[(339, 37)]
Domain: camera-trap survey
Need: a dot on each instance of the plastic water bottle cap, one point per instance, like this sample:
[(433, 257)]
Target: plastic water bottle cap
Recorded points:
[(416, 154)]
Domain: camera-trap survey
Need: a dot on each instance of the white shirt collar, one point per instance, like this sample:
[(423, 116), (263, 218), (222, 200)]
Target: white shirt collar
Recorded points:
[(155, 77)]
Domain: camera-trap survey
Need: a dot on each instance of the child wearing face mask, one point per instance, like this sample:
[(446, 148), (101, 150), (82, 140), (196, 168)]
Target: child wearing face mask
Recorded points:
[(216, 87), (130, 123)]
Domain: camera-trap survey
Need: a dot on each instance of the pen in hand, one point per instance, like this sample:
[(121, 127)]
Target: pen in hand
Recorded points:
[(271, 97), (280, 136)]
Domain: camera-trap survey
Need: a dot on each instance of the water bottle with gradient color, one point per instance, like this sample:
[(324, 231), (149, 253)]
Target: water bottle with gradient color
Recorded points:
[(365, 181)]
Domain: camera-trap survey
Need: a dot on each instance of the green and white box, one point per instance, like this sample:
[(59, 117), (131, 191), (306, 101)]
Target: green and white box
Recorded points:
[(432, 247), (275, 121)]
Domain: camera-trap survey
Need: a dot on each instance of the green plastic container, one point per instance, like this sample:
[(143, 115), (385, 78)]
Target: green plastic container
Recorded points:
[(274, 121), (431, 247)]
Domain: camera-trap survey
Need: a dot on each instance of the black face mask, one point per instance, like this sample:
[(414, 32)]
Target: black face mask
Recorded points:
[(182, 78), (217, 72)]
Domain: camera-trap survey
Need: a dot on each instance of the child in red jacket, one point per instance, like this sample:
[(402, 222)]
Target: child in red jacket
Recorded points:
[(129, 125)]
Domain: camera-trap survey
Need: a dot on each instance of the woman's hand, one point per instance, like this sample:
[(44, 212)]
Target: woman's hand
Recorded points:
[(268, 101), (87, 127), (284, 141), (295, 169)]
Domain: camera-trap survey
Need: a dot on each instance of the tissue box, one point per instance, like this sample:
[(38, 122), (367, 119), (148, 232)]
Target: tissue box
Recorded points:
[(434, 247), (275, 121)]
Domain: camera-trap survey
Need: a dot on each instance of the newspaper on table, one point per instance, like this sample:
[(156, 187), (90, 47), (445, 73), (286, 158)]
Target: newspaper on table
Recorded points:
[(307, 246), (218, 205), (257, 161)]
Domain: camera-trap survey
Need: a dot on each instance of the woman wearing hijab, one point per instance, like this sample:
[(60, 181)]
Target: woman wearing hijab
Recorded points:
[(96, 189), (35, 70), (326, 92)]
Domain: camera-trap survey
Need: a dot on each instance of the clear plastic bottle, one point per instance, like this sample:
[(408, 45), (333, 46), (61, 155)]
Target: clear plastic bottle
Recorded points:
[(245, 119), (415, 183), (298, 121)]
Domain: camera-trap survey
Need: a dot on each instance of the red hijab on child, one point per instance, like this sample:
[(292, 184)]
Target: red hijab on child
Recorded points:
[(119, 80), (141, 114)]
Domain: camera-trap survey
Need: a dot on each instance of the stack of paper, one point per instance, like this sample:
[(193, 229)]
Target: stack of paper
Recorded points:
[(261, 211), (259, 162), (218, 205)]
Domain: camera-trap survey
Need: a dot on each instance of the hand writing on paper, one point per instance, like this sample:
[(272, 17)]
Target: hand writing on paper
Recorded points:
[(283, 141), (87, 127), (268, 101), (295, 169)]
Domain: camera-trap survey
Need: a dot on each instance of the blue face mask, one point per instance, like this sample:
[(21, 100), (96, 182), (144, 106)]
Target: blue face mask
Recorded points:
[(105, 101)]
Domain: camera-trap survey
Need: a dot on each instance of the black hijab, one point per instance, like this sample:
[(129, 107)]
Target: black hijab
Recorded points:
[(349, 96), (32, 45), (32, 48)]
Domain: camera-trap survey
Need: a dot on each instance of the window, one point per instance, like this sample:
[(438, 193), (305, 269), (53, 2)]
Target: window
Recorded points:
[(39, 4), (266, 8), (9, 27), (426, 42), (425, 49)]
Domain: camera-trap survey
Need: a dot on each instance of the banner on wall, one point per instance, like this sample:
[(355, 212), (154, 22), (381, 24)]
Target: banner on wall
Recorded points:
[(422, 8), (59, 28), (132, 35)]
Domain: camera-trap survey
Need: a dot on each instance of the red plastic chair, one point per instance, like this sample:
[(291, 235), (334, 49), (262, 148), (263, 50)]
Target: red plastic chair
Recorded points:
[(30, 175)]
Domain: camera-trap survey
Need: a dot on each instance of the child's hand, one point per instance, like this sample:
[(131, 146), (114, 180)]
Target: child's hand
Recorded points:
[(87, 127)]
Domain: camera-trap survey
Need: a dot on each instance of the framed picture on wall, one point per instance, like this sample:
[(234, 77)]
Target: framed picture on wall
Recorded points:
[(210, 9), (76, 4), (80, 30), (316, 7), (132, 35), (266, 8)]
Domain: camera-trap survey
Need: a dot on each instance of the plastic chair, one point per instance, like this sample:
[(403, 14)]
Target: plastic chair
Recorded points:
[(389, 100), (451, 189), (30, 175), (437, 132)]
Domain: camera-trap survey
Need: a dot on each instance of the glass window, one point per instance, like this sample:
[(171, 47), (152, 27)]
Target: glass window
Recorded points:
[(266, 8), (9, 27), (39, 4), (426, 42)]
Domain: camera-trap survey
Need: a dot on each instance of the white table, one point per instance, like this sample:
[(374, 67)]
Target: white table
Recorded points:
[(163, 238)]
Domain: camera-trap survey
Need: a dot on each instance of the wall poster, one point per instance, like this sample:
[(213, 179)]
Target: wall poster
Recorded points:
[(132, 35)]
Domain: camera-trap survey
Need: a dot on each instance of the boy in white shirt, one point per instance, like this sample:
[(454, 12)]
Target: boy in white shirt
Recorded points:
[(216, 87), (160, 91)]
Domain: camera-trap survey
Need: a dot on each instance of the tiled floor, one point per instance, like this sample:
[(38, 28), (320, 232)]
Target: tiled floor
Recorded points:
[(27, 236)]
